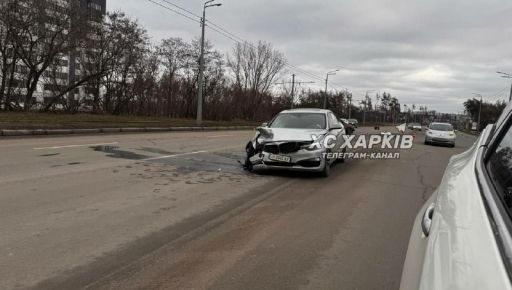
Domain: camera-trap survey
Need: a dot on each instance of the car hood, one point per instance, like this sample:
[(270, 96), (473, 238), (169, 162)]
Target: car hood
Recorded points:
[(279, 134)]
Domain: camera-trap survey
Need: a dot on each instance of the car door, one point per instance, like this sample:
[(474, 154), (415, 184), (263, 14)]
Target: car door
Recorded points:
[(461, 237)]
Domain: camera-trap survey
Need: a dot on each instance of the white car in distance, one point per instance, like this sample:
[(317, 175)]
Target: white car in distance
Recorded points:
[(440, 133)]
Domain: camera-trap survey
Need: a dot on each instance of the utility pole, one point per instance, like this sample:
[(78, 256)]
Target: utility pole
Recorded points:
[(480, 114), (479, 111), (366, 101), (331, 73), (350, 107), (200, 81), (293, 83), (365, 108), (293, 90)]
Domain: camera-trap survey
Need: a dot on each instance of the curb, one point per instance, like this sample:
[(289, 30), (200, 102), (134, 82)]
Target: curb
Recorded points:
[(40, 132)]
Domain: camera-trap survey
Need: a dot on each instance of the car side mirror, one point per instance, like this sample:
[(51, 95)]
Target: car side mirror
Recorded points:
[(264, 124), (336, 127)]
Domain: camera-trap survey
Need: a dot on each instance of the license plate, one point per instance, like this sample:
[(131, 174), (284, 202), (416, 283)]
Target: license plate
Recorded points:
[(280, 158)]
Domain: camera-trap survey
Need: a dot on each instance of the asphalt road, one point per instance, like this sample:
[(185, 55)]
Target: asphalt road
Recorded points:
[(176, 211)]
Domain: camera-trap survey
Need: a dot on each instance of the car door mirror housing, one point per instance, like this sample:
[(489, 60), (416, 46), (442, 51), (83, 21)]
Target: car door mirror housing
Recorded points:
[(336, 127), (264, 124)]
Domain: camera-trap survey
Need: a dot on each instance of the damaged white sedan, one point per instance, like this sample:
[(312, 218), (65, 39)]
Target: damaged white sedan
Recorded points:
[(295, 140)]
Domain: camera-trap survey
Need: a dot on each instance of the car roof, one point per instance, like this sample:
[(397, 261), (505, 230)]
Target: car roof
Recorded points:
[(322, 111)]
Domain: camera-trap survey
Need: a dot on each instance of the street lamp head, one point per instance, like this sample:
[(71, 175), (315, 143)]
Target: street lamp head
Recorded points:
[(213, 5), (504, 75)]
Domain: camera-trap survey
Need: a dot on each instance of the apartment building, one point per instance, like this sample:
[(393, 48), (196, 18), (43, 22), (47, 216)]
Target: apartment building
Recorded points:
[(66, 67)]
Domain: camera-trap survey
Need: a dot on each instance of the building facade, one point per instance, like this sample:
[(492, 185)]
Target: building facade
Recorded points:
[(66, 67)]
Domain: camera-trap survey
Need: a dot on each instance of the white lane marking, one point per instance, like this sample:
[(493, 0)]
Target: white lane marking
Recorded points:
[(174, 156), (75, 146), (219, 136)]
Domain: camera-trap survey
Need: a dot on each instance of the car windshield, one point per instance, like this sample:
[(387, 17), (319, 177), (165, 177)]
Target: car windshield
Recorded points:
[(300, 121), (441, 127)]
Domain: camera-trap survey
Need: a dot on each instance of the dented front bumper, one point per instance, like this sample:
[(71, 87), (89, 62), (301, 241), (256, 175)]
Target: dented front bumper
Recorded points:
[(302, 160)]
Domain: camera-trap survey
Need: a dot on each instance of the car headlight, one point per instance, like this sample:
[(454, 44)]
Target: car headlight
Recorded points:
[(314, 145), (306, 146), (452, 134)]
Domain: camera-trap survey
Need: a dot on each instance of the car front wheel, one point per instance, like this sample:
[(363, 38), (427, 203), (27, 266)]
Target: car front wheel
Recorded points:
[(327, 169)]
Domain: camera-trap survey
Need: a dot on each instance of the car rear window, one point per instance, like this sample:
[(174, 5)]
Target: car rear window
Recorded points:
[(441, 127), (500, 165)]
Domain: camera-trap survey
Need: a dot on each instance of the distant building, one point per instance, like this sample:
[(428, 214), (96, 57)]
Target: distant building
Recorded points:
[(66, 67)]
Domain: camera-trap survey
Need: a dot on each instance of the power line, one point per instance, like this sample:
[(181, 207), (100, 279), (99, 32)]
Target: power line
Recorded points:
[(175, 11), (181, 8), (499, 94), (217, 28), (228, 34)]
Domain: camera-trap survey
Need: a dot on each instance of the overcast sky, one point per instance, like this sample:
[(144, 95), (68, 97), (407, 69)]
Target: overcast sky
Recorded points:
[(425, 52)]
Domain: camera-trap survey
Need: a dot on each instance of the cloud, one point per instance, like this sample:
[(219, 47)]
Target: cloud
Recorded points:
[(435, 53)]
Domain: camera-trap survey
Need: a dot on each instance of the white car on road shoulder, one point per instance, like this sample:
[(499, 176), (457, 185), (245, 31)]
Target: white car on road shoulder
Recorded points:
[(462, 238)]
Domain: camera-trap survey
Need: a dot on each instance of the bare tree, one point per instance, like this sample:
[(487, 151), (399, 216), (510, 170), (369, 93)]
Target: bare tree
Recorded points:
[(255, 68), (174, 55), (42, 33), (107, 46), (120, 77)]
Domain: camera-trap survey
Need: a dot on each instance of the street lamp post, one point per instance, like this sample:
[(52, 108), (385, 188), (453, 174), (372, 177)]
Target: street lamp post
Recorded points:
[(201, 63), (507, 76), (480, 112), (331, 73)]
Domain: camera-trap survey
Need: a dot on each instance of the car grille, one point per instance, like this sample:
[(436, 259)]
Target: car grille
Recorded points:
[(284, 148), (274, 149), (290, 147)]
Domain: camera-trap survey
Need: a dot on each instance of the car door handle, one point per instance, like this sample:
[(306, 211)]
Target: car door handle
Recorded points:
[(426, 222)]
